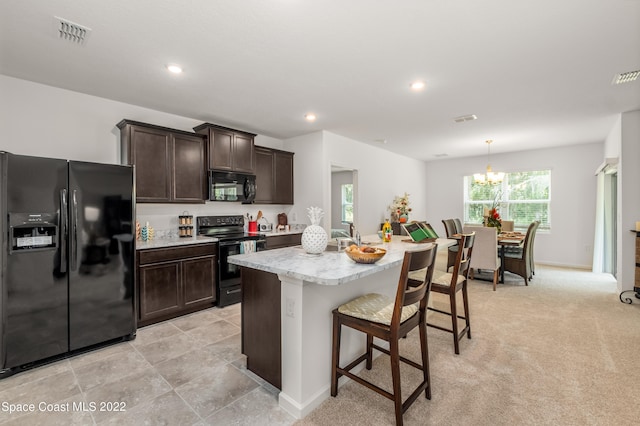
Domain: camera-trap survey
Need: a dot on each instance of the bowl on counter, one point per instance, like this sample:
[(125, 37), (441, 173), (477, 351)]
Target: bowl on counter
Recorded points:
[(356, 254)]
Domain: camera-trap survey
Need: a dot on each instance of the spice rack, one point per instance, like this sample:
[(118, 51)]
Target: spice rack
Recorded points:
[(185, 225)]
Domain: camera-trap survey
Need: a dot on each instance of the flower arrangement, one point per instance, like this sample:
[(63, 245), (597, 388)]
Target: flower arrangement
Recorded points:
[(400, 205), (493, 216)]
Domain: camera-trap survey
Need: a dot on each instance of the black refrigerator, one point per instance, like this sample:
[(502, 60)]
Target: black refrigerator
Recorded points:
[(67, 259)]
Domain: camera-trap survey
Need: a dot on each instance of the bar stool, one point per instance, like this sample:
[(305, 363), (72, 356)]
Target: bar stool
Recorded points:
[(450, 284), (387, 319)]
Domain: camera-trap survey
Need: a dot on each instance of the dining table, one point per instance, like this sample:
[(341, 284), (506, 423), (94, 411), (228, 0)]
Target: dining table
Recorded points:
[(508, 239)]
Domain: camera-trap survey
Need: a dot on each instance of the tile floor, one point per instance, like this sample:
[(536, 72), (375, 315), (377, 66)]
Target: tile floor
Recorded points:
[(186, 371)]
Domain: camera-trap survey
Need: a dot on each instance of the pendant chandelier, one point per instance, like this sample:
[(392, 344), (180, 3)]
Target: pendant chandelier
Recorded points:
[(489, 177)]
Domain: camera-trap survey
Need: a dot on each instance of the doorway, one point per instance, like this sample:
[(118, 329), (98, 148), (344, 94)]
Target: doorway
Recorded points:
[(344, 204)]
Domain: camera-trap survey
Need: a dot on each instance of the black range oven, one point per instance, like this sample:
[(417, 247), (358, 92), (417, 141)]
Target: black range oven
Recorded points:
[(229, 230)]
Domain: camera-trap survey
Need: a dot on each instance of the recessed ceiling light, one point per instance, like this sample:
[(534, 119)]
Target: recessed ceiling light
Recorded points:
[(176, 69), (310, 117), (417, 85)]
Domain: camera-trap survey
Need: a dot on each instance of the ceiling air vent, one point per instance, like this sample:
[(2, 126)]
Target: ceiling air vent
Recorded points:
[(70, 31), (464, 118), (626, 77)]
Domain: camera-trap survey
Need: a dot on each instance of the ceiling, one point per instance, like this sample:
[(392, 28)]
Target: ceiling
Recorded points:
[(536, 74)]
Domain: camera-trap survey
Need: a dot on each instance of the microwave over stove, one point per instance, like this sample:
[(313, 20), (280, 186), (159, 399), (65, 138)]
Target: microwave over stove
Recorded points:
[(229, 186)]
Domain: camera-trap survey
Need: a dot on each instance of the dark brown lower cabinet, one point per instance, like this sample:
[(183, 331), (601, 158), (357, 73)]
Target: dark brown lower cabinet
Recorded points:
[(286, 240), (261, 327), (175, 281)]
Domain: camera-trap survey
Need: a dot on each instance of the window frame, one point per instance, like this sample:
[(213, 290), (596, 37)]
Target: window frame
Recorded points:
[(506, 202), (344, 204)]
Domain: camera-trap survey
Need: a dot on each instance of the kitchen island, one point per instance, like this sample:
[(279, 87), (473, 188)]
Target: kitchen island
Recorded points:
[(305, 288)]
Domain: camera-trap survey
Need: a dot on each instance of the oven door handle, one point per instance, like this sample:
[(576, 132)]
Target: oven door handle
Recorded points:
[(238, 242)]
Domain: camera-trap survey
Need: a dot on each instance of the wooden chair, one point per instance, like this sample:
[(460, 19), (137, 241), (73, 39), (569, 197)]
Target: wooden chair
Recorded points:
[(387, 319), (519, 263), (485, 251), (451, 228), (458, 225), (450, 284), (532, 264)]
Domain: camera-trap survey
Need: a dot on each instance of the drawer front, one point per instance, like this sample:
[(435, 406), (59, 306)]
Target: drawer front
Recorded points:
[(279, 241), (176, 253)]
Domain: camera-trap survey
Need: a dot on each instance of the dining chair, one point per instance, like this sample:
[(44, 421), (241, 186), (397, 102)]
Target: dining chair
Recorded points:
[(507, 226), (452, 251), (450, 284), (449, 227), (532, 263), (388, 319), (458, 225), (519, 263), (485, 251)]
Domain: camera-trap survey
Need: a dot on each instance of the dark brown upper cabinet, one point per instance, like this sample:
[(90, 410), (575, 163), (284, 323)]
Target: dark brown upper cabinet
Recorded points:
[(229, 150), (274, 176), (170, 164)]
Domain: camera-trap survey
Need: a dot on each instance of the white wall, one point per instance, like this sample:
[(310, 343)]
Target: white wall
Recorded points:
[(381, 175), (45, 121), (376, 178), (307, 175), (573, 196), (628, 197)]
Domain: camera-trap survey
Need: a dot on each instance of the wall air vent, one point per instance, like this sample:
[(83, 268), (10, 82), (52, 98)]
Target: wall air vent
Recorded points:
[(464, 118), (70, 31), (626, 77)]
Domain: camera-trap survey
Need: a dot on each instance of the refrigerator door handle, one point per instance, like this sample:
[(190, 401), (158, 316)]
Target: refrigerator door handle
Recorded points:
[(63, 231), (74, 231)]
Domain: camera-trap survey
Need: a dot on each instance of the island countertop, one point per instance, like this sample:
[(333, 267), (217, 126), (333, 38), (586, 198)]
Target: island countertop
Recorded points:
[(329, 267)]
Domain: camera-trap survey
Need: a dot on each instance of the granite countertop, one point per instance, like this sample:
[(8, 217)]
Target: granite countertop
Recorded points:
[(329, 267), (174, 241)]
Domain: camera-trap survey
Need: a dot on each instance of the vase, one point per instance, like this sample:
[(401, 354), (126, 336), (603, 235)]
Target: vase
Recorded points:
[(403, 218), (314, 239)]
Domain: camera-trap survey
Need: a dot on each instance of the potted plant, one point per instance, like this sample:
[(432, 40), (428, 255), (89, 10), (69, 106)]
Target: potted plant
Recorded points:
[(400, 208)]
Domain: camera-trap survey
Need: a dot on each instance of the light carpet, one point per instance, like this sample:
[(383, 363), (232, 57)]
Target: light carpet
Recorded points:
[(562, 351)]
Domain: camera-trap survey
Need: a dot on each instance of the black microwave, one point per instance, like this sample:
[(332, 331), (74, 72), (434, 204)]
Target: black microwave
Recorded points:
[(229, 186)]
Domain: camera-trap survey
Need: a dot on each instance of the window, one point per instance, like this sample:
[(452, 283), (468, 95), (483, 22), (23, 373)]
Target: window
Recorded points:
[(347, 203), (522, 197)]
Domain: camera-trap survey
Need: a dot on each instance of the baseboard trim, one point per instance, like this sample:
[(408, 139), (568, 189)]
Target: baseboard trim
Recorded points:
[(565, 265)]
